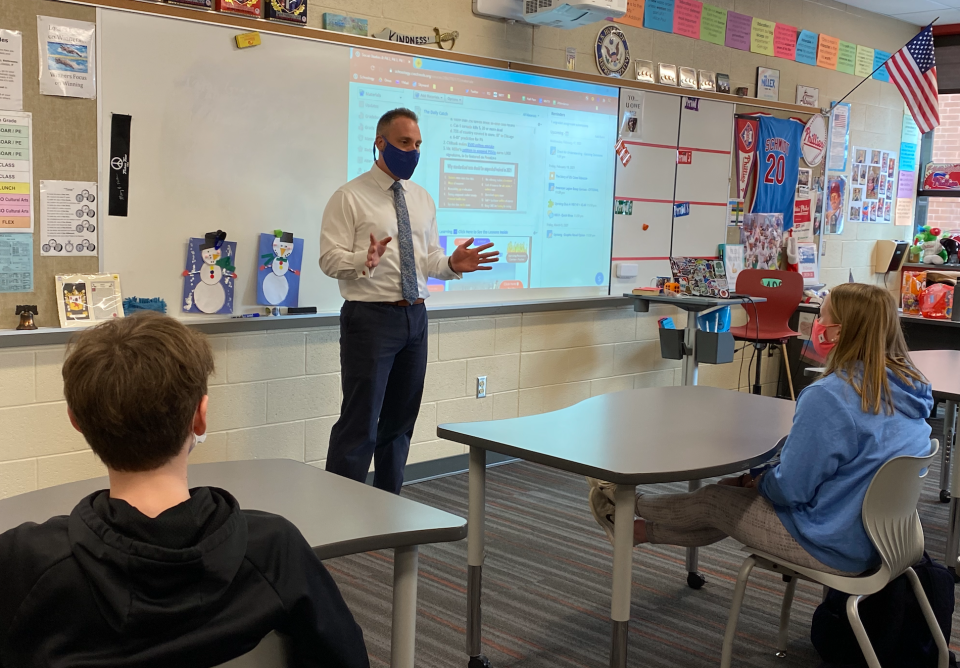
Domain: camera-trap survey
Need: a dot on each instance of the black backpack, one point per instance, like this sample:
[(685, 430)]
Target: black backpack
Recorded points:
[(893, 620)]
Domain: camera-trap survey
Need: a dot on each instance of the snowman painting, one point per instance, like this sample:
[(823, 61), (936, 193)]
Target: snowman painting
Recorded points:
[(209, 277), (278, 271)]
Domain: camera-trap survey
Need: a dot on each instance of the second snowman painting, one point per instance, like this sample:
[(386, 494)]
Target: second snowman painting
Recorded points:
[(278, 272), (209, 279)]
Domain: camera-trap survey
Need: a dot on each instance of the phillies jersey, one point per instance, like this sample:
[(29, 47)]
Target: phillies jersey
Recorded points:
[(778, 165)]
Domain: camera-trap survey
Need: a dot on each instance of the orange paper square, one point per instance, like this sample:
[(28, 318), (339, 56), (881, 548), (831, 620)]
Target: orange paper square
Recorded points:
[(828, 49), (634, 15)]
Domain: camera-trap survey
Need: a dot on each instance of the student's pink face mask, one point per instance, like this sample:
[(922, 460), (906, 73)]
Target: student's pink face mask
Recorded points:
[(818, 336)]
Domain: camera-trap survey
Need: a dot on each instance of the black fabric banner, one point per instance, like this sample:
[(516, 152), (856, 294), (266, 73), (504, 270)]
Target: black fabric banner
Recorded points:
[(119, 164)]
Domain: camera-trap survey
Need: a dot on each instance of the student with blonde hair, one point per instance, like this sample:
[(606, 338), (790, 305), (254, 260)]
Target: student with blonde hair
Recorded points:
[(868, 407)]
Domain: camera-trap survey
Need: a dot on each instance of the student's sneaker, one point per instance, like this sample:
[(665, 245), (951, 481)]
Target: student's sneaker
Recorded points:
[(606, 488), (602, 510)]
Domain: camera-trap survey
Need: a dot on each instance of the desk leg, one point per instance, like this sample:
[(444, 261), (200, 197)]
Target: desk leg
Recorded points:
[(475, 554), (626, 500), (404, 631), (949, 433), (694, 579), (953, 528), (689, 368)]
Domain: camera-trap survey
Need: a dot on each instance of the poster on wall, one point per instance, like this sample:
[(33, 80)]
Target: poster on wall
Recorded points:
[(839, 137), (833, 214), (871, 185), (16, 177), (68, 218), (907, 183), (762, 239), (67, 57), (11, 70), (16, 262)]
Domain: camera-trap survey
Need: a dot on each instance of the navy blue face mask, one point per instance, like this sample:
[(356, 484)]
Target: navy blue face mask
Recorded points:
[(401, 163)]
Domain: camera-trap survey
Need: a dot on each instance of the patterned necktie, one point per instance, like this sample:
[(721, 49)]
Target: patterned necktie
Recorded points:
[(408, 266)]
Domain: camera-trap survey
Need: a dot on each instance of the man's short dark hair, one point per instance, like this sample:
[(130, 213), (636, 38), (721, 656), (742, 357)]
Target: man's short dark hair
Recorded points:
[(133, 386), (393, 114)]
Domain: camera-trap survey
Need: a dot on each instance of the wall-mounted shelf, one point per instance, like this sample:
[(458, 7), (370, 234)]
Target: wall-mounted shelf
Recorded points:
[(938, 193)]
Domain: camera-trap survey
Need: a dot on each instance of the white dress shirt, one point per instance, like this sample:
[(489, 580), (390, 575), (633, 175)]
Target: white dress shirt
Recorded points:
[(362, 207)]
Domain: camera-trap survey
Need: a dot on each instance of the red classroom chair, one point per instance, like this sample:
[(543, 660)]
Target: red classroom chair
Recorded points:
[(767, 321)]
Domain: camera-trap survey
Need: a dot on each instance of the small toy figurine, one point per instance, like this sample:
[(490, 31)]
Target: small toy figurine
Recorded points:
[(952, 246), (928, 239)]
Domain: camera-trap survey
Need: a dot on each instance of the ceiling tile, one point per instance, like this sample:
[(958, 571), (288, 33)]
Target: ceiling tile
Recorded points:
[(891, 7), (946, 16)]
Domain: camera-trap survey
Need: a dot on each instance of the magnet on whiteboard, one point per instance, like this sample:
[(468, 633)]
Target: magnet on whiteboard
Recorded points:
[(248, 39), (646, 227)]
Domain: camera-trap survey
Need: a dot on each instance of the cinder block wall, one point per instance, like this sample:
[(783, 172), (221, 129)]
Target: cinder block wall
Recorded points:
[(277, 394)]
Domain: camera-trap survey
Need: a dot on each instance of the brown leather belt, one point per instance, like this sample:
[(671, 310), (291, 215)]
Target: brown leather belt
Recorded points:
[(402, 302)]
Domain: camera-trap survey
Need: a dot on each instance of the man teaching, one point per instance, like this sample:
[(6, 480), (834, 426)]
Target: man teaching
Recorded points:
[(379, 239)]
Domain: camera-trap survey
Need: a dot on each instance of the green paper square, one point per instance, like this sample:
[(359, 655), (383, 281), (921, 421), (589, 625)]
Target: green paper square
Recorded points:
[(713, 24), (847, 57)]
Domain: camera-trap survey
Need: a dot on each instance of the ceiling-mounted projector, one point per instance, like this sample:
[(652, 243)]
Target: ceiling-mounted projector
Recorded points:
[(565, 14), (553, 13)]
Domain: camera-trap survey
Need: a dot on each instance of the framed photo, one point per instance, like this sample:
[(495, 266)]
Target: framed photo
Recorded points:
[(723, 82), (808, 96), (768, 84), (803, 182), (860, 155)]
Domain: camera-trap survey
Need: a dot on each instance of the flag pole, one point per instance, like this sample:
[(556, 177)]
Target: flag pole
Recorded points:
[(879, 66)]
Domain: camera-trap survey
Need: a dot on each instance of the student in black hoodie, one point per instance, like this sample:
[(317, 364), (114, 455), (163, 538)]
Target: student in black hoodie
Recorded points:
[(151, 572)]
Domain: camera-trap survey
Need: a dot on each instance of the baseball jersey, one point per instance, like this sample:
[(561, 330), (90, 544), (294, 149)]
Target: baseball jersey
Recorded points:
[(778, 165)]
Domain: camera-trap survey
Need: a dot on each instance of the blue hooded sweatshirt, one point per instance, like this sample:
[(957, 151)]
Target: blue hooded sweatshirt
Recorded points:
[(831, 455)]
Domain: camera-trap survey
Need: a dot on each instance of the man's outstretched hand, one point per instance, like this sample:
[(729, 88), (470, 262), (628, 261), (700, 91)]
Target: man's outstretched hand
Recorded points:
[(376, 250), (466, 259)]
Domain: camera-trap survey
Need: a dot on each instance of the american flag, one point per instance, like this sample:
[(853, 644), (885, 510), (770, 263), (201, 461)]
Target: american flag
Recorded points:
[(913, 70)]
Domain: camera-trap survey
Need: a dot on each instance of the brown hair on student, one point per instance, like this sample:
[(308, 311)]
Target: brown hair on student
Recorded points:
[(150, 572)]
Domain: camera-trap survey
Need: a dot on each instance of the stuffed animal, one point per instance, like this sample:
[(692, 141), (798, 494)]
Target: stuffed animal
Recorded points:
[(928, 239)]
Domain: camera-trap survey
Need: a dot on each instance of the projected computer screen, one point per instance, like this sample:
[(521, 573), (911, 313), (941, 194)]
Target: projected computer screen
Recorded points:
[(524, 161)]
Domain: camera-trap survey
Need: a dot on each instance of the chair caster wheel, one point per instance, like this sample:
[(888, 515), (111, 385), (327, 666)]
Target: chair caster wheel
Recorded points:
[(479, 662), (781, 655), (944, 496), (695, 580)]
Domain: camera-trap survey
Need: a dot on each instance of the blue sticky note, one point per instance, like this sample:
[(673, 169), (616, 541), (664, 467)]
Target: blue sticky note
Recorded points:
[(658, 15), (880, 57), (807, 47)]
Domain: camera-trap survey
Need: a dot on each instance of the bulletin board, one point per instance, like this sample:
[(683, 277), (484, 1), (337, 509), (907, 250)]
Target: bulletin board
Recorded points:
[(64, 148)]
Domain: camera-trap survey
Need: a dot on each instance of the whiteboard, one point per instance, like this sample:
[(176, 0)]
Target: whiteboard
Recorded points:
[(246, 141), (221, 138), (654, 180)]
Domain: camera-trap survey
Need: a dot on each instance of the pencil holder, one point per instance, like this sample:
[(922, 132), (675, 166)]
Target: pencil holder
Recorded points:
[(671, 343), (714, 347)]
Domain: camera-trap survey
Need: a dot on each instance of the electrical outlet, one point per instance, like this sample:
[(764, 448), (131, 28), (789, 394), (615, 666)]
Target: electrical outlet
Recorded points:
[(481, 387)]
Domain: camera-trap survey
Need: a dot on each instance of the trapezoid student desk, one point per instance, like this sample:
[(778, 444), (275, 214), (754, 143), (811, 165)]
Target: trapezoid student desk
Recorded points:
[(630, 439), (942, 369), (366, 519), (694, 306)]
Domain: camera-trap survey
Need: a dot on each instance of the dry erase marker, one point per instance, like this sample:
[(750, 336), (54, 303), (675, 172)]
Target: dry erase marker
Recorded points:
[(247, 315)]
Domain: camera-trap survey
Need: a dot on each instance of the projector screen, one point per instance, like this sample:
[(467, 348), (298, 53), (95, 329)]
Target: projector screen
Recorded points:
[(524, 161)]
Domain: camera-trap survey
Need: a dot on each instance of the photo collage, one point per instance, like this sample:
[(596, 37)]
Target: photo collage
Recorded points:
[(871, 191)]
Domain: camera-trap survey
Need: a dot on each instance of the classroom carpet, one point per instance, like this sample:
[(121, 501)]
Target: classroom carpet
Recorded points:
[(547, 577)]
